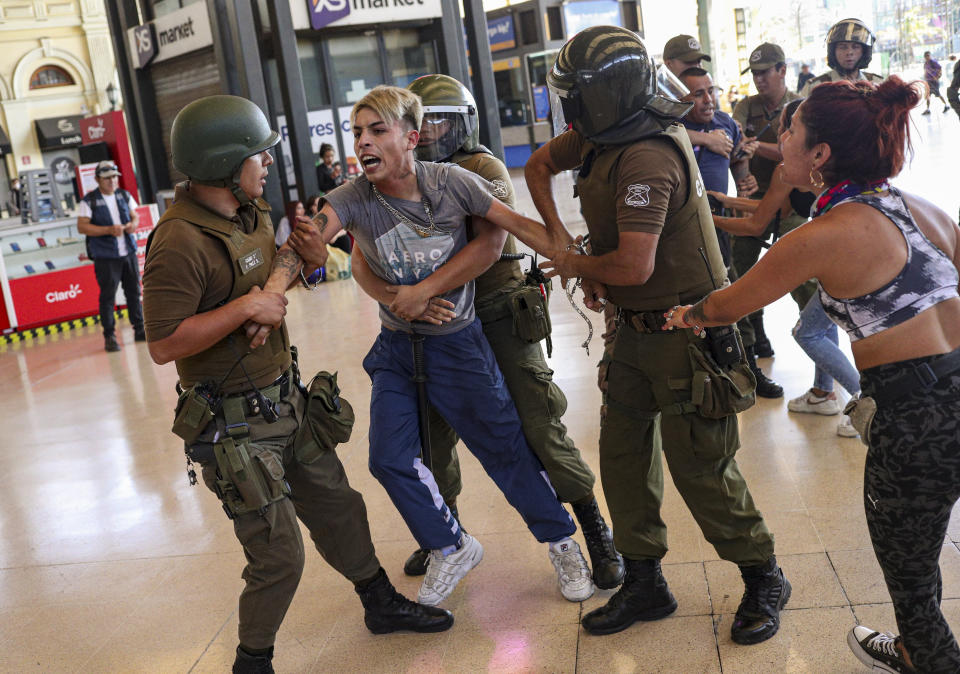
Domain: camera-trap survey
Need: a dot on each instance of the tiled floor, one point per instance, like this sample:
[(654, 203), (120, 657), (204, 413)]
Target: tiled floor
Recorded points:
[(110, 562)]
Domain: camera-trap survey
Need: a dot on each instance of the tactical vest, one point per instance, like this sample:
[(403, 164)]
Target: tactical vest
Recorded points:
[(106, 246), (500, 273), (251, 258), (680, 274)]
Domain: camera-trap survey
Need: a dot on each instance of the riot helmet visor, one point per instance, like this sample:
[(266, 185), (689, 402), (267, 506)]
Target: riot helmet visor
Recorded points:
[(442, 132)]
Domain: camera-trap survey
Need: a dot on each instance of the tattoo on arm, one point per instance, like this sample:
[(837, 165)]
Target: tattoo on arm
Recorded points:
[(288, 262), (320, 220), (695, 315)]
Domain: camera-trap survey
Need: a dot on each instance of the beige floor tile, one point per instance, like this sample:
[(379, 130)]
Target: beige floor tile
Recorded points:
[(541, 648), (863, 582), (793, 531), (809, 640), (813, 581), (841, 528), (674, 644)]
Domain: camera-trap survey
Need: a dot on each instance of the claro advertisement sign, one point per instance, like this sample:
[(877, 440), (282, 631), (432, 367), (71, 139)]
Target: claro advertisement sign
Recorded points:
[(322, 13)]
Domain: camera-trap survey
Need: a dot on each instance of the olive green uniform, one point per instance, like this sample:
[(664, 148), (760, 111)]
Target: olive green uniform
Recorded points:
[(754, 117), (833, 76), (539, 401), (197, 261), (649, 381)]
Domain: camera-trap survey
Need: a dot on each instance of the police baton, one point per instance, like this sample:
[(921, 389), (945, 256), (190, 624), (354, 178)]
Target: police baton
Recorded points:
[(420, 379)]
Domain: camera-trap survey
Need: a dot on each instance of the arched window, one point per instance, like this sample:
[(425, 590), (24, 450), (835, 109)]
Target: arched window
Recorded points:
[(50, 76)]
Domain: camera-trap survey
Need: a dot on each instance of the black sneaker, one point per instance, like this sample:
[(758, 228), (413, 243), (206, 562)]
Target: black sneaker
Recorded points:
[(766, 592), (926, 112), (877, 650), (110, 344), (139, 336), (416, 564)]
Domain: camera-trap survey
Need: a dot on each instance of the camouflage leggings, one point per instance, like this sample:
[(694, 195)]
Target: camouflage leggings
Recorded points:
[(911, 481)]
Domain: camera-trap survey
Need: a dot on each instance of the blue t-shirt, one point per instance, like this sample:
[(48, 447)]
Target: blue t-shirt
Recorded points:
[(399, 254), (714, 168)]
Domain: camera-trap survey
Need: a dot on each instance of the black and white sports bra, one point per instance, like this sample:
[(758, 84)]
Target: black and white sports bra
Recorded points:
[(928, 278)]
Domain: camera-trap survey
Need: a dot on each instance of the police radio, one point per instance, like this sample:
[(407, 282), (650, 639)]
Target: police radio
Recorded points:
[(724, 345)]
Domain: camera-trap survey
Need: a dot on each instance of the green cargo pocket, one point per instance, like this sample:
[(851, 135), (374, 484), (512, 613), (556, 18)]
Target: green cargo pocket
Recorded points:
[(328, 419), (718, 392), (545, 389), (247, 483), (531, 317)]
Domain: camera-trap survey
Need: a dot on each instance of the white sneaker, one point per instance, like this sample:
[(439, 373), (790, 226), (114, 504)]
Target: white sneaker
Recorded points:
[(573, 574), (877, 650), (811, 403), (846, 429), (443, 573)]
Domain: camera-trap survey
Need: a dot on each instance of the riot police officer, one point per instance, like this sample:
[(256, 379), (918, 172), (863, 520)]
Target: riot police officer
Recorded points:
[(652, 239), (243, 414), (849, 51)]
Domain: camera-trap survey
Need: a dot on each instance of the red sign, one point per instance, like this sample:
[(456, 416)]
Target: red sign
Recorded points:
[(144, 227), (42, 299), (110, 128)]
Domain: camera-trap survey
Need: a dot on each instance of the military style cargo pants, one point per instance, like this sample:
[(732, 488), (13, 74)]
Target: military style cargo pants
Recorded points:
[(319, 495), (540, 404), (649, 380)]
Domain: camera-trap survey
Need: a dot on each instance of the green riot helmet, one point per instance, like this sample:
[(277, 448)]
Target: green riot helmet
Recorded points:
[(608, 86), (850, 30), (212, 136), (449, 118)]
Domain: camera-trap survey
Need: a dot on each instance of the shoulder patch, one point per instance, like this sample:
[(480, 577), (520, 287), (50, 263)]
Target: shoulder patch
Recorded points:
[(499, 186), (637, 195)]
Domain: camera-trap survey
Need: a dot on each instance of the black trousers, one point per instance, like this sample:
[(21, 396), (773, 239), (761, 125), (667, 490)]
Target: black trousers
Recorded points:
[(112, 273)]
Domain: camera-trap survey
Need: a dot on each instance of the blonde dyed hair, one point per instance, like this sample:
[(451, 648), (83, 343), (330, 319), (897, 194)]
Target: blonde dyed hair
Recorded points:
[(391, 104)]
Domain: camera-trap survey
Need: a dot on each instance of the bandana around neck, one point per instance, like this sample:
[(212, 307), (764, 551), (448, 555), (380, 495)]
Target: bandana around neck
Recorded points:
[(843, 191)]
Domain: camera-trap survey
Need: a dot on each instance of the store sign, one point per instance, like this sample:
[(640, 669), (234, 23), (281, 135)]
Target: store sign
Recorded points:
[(173, 34), (322, 130), (41, 299), (586, 13), (501, 34), (63, 170), (325, 13)]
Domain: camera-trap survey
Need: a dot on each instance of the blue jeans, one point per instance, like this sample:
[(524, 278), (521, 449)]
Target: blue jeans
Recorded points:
[(466, 387), (817, 336)]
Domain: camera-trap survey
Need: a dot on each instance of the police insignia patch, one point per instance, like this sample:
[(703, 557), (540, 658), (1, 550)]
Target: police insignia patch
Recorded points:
[(637, 195), (499, 188)]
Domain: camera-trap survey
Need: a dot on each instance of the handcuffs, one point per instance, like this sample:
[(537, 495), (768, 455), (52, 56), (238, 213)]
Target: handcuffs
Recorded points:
[(570, 288)]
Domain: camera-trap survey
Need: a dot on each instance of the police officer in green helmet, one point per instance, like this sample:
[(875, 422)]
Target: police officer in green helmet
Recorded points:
[(243, 412), (450, 133), (652, 240)]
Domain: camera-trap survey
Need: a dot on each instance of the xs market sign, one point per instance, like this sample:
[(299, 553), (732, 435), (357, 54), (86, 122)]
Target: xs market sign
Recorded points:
[(325, 13)]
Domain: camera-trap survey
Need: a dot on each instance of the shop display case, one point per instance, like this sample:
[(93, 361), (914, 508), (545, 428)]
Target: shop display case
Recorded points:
[(45, 274)]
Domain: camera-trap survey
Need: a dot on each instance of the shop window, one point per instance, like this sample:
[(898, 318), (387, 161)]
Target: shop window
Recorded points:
[(355, 62), (511, 92), (528, 27), (409, 55), (310, 55), (537, 67), (50, 76), (554, 23)]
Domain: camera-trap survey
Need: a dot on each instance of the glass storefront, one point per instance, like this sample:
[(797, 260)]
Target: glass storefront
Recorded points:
[(511, 92), (409, 55), (355, 66)]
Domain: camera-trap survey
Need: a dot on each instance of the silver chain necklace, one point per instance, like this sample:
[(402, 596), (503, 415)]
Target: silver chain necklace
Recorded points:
[(418, 228)]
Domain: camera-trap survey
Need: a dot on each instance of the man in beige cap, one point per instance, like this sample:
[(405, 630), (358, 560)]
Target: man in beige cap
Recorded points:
[(680, 53)]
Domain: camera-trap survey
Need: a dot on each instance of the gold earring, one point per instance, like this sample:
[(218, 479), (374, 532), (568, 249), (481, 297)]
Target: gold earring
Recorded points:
[(816, 178)]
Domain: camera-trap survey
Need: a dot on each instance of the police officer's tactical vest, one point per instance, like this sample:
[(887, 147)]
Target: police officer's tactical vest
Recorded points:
[(500, 272), (106, 246), (680, 274), (252, 257)]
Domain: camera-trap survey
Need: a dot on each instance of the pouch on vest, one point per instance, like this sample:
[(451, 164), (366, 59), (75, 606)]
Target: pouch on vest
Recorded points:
[(193, 413), (861, 412), (327, 419), (531, 319), (718, 392)]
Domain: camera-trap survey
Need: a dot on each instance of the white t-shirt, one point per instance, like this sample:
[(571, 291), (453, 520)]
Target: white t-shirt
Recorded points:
[(111, 201)]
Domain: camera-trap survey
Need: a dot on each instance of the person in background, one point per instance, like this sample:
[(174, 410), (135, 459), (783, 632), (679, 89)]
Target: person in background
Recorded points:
[(328, 177), (108, 217), (804, 77), (931, 75), (846, 141), (953, 89), (292, 210), (849, 51)]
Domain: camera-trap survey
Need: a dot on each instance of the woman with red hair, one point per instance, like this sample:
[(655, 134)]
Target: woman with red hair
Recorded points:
[(887, 266)]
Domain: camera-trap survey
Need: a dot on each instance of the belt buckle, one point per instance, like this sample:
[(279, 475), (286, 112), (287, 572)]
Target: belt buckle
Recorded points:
[(926, 375)]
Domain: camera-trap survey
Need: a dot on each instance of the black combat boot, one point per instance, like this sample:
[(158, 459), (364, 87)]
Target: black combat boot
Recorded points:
[(644, 595), (767, 592), (766, 387), (416, 564), (761, 345), (386, 610), (253, 664), (606, 562)]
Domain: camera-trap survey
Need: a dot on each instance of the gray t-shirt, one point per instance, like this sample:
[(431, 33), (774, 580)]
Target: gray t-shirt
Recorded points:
[(399, 254)]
